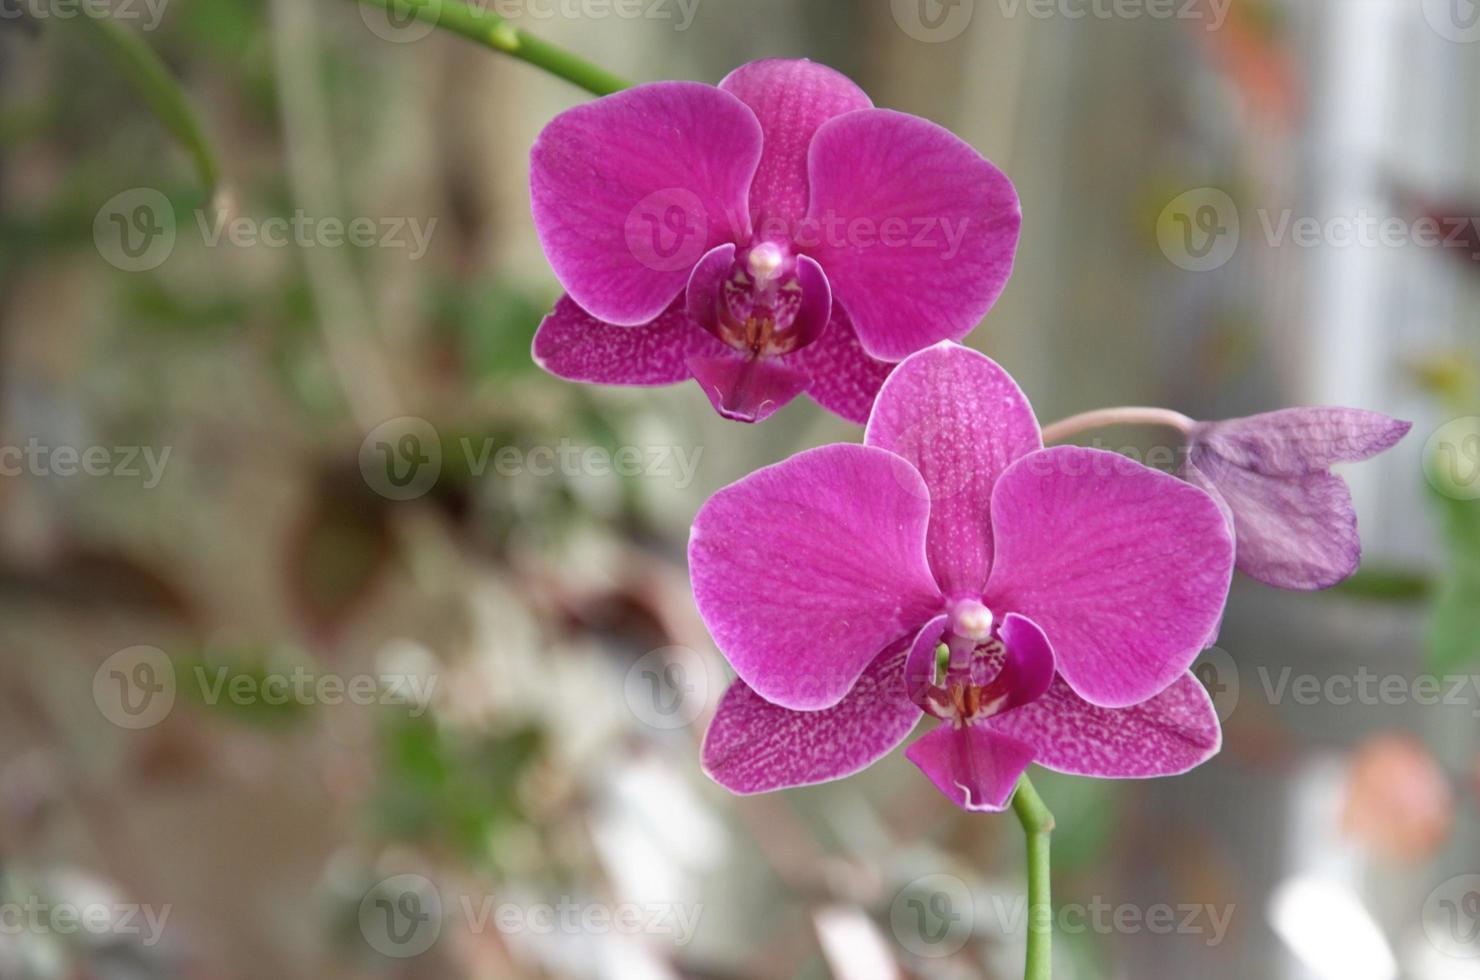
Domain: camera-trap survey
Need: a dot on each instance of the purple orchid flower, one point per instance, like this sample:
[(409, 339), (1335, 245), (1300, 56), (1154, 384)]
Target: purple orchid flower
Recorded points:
[(771, 236), (1071, 587), (1271, 473)]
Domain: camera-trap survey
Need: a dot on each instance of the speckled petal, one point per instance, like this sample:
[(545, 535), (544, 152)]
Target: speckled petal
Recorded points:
[(1173, 732), (754, 746), (845, 379), (574, 345)]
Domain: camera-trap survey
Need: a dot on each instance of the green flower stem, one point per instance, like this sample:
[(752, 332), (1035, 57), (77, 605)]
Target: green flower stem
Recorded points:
[(1037, 825), (495, 32), (143, 70)]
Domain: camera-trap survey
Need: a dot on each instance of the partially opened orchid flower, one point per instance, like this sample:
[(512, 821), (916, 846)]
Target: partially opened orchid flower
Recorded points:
[(1293, 517), (1070, 588), (771, 236)]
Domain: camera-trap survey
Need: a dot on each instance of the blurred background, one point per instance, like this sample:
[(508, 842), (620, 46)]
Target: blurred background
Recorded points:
[(273, 704)]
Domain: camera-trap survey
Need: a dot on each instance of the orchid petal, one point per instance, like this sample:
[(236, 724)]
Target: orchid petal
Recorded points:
[(916, 230), (960, 420), (1029, 668), (975, 767), (845, 378), (631, 190), (701, 297), (920, 666), (791, 99), (804, 570), (1171, 733), (746, 388), (1297, 441), (1297, 532), (574, 345), (1293, 518), (1125, 568), (754, 746)]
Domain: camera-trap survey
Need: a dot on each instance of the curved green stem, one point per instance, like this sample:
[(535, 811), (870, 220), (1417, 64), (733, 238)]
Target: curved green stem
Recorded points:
[(1037, 824), (151, 79), (497, 33)]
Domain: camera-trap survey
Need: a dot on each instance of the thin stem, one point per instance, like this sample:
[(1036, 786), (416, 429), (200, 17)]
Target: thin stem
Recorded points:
[(1132, 415), (497, 33), (1037, 825)]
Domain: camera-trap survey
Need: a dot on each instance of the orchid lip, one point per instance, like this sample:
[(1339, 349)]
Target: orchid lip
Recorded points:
[(975, 685), (759, 303)]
